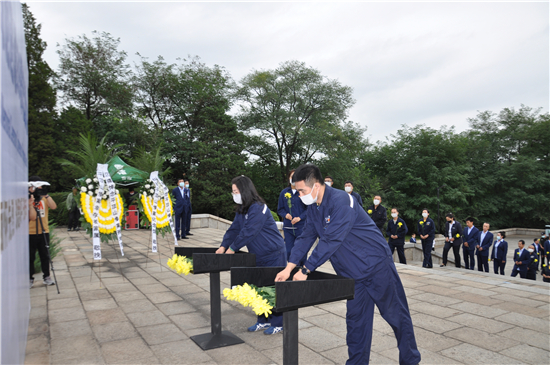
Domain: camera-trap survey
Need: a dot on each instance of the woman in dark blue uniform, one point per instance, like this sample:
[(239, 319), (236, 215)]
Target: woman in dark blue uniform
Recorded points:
[(255, 228), (426, 231), (294, 215), (498, 255)]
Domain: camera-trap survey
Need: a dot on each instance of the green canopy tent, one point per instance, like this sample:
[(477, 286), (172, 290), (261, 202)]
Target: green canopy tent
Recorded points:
[(121, 173)]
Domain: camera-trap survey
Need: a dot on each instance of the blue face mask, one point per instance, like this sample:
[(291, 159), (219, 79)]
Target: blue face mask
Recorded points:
[(182, 184)]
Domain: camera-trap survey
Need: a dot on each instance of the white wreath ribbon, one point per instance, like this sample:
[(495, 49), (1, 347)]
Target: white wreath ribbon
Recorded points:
[(158, 185)]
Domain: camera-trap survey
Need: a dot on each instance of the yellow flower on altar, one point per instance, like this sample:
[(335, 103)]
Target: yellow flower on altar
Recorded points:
[(247, 296), (399, 224), (180, 264), (369, 211), (162, 213), (105, 215), (288, 196)]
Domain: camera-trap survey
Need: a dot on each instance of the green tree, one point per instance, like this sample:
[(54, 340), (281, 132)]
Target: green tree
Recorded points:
[(42, 100), (288, 114), (93, 75), (150, 161)]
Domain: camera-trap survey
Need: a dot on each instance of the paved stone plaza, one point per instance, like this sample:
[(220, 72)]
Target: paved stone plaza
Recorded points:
[(147, 314)]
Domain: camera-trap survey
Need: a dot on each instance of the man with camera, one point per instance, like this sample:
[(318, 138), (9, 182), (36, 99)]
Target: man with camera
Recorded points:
[(39, 232)]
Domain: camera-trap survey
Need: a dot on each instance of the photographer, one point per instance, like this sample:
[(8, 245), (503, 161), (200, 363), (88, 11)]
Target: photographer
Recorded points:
[(73, 209), (39, 232)]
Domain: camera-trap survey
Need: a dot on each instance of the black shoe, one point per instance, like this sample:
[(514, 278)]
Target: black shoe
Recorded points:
[(189, 234), (178, 238), (76, 229), (185, 238), (442, 265)]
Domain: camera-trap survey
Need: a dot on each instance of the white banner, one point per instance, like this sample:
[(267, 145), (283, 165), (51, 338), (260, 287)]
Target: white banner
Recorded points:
[(14, 213), (154, 177)]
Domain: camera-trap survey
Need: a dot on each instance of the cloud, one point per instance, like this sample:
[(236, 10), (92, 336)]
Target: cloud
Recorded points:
[(408, 63)]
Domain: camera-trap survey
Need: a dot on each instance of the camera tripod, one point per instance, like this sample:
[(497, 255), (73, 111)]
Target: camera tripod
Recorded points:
[(47, 243)]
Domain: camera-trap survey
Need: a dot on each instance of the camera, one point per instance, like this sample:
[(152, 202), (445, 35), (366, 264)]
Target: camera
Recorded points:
[(40, 189)]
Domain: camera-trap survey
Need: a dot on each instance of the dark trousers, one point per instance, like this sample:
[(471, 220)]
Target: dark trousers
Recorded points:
[(522, 272), (400, 251), (290, 237), (498, 265), (482, 263), (531, 274), (37, 242), (183, 222), (469, 258), (187, 211), (383, 289), (275, 259), (74, 215), (456, 252), (427, 250)]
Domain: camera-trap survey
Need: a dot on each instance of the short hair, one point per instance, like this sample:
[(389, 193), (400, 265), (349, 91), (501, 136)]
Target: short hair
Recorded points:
[(395, 209), (470, 219), (186, 180), (35, 178), (427, 210), (348, 182), (378, 195), (249, 194), (535, 239), (181, 179), (502, 234), (131, 188), (309, 174), (329, 177), (522, 242), (450, 215), (487, 223)]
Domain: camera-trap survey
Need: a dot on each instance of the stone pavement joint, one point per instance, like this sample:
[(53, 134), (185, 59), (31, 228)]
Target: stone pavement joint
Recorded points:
[(134, 309)]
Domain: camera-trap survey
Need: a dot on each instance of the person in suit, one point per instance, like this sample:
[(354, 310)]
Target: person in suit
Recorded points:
[(413, 238), (426, 230), (348, 187), (187, 207), (546, 249), (521, 260), (396, 231), (328, 180), (482, 248), (469, 238), (536, 244), (182, 208), (498, 255), (255, 228), (545, 272), (294, 214), (453, 238), (532, 267)]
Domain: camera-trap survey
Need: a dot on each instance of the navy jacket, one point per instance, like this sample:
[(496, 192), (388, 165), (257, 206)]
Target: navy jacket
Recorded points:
[(357, 197), (257, 231), (502, 250), (486, 244), (378, 215), (394, 228), (426, 228), (298, 209), (525, 259), (347, 236), (547, 248), (472, 238), (181, 201), (456, 232)]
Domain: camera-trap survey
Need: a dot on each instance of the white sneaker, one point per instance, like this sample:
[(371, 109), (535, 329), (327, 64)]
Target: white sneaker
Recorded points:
[(48, 281)]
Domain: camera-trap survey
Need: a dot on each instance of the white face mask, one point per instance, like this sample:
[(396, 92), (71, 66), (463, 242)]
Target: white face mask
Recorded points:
[(530, 250), (348, 189), (425, 215), (308, 199), (182, 184), (394, 215), (328, 183), (237, 198), (376, 201), (498, 238), (187, 186)]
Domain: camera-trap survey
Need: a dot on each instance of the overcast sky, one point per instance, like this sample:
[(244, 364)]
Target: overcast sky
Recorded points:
[(432, 63)]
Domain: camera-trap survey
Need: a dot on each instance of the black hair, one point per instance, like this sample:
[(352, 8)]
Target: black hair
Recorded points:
[(348, 182), (35, 178), (249, 194), (329, 177), (180, 179), (130, 189), (522, 242), (395, 209), (427, 210), (450, 215), (309, 174), (186, 180), (502, 234), (470, 219), (535, 239)]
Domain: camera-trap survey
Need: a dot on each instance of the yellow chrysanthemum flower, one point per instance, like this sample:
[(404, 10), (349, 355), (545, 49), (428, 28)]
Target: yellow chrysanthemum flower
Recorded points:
[(249, 297), (369, 211), (162, 213), (180, 264), (105, 216), (288, 196)]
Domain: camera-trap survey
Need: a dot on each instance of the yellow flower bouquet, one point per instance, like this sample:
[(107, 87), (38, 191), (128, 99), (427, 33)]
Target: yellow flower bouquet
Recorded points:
[(261, 300), (181, 264)]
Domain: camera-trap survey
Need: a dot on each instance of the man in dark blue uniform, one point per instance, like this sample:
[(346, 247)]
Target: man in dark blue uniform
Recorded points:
[(396, 231), (377, 212), (471, 234), (179, 193), (453, 238), (522, 259), (356, 249)]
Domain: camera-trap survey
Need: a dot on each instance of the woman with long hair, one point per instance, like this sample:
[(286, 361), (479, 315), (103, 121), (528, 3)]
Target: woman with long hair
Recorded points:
[(294, 214), (255, 228)]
